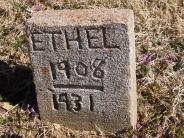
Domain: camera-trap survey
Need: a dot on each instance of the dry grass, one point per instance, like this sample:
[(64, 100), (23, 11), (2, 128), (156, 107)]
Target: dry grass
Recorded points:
[(160, 61)]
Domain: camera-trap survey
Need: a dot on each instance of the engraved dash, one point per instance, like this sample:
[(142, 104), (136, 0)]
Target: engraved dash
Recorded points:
[(74, 86)]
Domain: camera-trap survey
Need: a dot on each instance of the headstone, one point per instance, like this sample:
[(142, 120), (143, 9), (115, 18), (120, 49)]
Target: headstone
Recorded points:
[(84, 67)]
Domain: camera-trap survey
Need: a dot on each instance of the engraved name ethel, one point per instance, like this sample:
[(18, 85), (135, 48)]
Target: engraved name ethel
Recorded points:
[(83, 66)]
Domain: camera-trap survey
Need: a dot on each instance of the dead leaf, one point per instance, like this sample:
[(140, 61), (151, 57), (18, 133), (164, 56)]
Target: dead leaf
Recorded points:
[(6, 105)]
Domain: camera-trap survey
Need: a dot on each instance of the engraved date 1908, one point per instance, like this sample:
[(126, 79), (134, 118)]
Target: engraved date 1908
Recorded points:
[(72, 102), (80, 68)]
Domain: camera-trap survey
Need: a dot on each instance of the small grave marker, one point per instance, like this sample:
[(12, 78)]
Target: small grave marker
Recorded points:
[(84, 67)]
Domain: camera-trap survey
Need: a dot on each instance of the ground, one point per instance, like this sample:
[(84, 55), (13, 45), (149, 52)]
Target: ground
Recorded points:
[(159, 29)]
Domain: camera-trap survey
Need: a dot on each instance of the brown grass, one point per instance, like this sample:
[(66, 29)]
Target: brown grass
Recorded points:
[(159, 28)]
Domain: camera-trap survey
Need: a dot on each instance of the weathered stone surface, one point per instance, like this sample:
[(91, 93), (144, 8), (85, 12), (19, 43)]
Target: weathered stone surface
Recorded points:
[(84, 67)]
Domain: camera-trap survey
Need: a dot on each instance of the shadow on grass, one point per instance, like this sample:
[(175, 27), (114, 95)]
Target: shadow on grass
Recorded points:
[(16, 85), (11, 136)]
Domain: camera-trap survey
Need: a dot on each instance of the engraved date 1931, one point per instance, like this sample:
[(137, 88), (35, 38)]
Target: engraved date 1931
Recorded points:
[(73, 102)]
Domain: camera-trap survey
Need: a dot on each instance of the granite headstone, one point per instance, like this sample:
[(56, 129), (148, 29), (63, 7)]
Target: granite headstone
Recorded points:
[(84, 67)]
